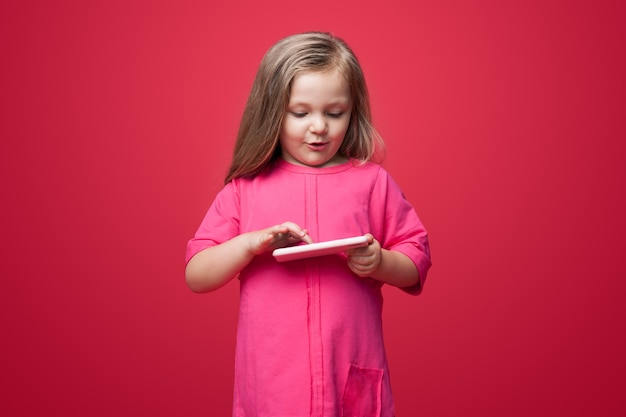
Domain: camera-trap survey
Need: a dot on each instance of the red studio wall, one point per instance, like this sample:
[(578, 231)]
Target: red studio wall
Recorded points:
[(504, 123)]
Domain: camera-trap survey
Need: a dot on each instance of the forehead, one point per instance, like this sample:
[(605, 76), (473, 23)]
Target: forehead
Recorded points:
[(319, 86)]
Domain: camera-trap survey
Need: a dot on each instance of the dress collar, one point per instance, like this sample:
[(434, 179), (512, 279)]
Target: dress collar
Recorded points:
[(302, 169)]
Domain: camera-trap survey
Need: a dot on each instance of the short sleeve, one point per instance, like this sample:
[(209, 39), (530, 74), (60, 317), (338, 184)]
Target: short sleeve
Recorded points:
[(220, 224), (399, 227)]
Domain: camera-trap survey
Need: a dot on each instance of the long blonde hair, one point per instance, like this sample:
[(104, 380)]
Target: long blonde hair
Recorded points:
[(258, 137)]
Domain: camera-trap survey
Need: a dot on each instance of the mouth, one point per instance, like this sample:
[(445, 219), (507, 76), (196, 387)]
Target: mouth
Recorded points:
[(317, 145)]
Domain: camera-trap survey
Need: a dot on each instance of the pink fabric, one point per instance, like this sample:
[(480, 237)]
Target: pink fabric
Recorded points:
[(361, 398), (310, 331)]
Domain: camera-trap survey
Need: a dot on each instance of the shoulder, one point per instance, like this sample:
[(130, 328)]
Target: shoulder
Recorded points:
[(367, 168), (264, 174), (370, 171), (381, 182), (265, 181)]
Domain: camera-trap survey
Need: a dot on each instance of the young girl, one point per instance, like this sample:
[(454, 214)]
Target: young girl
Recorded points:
[(309, 339)]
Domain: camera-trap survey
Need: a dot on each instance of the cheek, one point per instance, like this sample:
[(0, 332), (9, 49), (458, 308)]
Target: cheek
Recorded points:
[(289, 128), (341, 129), (285, 132)]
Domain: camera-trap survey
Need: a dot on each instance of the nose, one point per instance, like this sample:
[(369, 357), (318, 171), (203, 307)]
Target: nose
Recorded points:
[(318, 125)]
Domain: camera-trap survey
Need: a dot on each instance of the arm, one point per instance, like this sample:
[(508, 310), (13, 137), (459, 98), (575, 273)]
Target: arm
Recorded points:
[(214, 267), (384, 265)]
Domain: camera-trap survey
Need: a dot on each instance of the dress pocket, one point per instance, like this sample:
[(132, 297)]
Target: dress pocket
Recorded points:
[(362, 394)]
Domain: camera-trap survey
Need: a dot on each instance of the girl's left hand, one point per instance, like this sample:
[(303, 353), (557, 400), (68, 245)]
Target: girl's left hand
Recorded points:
[(365, 261)]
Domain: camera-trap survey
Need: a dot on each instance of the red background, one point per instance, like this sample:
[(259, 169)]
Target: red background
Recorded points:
[(505, 125)]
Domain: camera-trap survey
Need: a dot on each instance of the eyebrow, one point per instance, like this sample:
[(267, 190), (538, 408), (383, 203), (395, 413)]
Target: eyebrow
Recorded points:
[(331, 103)]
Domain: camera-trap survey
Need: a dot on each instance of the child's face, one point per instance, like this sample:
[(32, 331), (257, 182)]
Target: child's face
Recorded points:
[(316, 119)]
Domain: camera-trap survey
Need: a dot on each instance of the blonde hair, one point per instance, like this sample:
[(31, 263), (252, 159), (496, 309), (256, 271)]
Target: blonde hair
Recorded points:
[(258, 137)]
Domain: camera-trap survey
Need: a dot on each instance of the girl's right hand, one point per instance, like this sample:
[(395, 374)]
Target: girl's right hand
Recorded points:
[(277, 237), (214, 266)]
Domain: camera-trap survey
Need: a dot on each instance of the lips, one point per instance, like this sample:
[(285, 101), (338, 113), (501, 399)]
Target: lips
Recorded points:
[(317, 145)]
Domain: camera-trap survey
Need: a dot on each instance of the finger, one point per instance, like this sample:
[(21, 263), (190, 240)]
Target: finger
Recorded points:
[(298, 237), (359, 270), (305, 237), (297, 232), (359, 265)]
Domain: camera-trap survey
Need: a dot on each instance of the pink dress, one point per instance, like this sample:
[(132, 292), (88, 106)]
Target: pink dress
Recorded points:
[(310, 339)]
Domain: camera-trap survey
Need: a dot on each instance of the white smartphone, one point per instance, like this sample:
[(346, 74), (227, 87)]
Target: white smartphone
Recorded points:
[(312, 250)]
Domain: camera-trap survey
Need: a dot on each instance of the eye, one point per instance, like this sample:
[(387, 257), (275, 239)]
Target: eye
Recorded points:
[(298, 114), (335, 115)]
